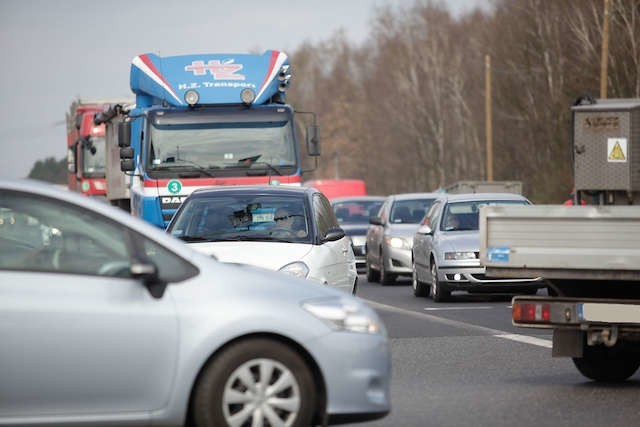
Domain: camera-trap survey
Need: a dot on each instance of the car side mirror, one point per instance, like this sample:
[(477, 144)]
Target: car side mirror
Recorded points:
[(333, 234), (147, 272), (376, 220), (425, 229)]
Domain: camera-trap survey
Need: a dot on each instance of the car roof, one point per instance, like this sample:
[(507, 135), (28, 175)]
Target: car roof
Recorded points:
[(283, 190), (358, 199), (482, 196), (413, 196)]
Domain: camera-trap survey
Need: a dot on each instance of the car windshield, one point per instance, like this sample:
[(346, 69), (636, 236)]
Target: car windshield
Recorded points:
[(356, 211), (409, 211), (463, 216), (243, 218)]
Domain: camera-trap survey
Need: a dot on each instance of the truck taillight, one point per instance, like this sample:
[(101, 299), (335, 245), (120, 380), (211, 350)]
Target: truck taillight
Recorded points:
[(531, 312)]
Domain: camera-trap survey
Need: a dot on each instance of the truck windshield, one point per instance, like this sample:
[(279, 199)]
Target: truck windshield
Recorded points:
[(253, 148), (93, 155)]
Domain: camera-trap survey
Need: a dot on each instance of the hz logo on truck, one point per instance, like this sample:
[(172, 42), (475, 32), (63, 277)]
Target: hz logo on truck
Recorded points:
[(219, 70)]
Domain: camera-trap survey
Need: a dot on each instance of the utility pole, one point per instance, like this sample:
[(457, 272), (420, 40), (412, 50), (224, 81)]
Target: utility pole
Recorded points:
[(488, 126), (605, 51), (336, 163)]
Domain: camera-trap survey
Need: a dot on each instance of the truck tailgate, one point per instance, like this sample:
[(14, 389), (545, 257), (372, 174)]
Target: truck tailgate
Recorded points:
[(600, 242)]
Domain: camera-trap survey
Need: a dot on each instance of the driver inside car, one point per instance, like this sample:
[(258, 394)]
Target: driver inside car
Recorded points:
[(286, 225)]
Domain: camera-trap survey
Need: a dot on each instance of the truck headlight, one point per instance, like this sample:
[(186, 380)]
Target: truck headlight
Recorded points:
[(459, 256), (346, 315), (247, 96), (191, 97), (297, 269)]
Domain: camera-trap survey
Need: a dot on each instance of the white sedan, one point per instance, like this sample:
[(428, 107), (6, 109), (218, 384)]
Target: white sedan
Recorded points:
[(289, 229)]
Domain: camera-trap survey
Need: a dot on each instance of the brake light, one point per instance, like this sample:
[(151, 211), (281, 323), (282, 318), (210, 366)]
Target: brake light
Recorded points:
[(531, 312)]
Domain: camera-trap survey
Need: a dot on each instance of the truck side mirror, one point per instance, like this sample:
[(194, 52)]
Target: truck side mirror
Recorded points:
[(127, 165), (124, 133), (313, 140), (71, 160), (126, 159)]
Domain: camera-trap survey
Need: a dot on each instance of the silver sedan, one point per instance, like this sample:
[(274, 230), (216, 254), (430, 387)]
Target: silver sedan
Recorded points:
[(390, 236), (446, 246), (106, 320)]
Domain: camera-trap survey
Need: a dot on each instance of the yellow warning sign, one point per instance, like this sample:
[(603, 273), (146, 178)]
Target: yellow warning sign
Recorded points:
[(617, 150)]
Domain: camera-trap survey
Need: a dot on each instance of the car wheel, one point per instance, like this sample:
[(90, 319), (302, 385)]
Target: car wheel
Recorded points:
[(601, 363), (385, 277), (419, 289), (372, 275), (255, 382), (437, 293)]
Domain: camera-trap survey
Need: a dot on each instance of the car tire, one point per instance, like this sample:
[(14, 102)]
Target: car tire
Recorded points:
[(419, 288), (600, 363), (372, 275), (223, 380), (386, 278), (438, 294)]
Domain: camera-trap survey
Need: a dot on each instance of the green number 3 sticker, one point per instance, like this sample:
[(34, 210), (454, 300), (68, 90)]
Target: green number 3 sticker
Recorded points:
[(174, 186)]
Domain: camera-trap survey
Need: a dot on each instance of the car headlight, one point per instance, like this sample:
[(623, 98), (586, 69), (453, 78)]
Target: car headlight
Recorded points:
[(346, 315), (298, 269), (358, 240), (397, 242), (459, 256)]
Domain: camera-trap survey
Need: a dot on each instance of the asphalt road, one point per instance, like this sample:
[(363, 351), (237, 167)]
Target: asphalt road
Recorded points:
[(462, 363)]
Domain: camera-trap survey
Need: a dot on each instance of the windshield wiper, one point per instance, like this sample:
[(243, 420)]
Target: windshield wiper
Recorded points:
[(200, 168), (193, 239), (262, 171), (242, 239)]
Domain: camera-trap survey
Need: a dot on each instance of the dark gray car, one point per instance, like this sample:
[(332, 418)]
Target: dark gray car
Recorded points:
[(353, 214)]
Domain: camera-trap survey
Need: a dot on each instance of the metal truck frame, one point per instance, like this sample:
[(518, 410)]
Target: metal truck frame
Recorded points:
[(589, 255)]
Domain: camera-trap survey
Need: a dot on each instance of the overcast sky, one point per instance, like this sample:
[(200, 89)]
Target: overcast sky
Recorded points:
[(54, 51)]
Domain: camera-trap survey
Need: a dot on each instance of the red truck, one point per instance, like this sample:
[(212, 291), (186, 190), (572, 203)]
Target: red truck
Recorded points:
[(333, 188), (86, 149)]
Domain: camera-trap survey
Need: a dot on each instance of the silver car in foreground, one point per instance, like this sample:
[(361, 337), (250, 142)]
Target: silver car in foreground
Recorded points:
[(445, 255), (107, 320)]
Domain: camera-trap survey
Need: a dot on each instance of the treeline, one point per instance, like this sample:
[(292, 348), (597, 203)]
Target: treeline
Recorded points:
[(50, 170), (406, 110)]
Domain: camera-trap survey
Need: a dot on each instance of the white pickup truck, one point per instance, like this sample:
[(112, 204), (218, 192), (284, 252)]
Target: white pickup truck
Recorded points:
[(590, 257)]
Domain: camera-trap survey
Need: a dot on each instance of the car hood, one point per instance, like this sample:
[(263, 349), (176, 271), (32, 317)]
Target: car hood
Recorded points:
[(460, 241), (270, 255), (406, 231)]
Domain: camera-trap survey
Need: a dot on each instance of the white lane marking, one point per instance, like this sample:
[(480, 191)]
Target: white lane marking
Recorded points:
[(527, 339), (468, 326), (456, 308)]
